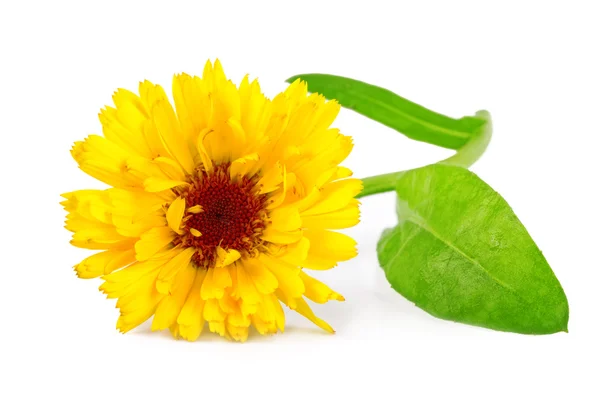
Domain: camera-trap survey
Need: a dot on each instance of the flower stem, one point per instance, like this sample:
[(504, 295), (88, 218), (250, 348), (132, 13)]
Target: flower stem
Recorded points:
[(379, 184), (464, 157), (474, 148)]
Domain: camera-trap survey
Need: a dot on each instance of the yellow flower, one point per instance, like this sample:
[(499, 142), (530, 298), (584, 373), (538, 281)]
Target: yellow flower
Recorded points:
[(216, 207)]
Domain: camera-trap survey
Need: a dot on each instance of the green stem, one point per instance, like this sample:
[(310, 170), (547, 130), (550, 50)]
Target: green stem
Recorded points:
[(379, 184), (470, 152), (464, 157)]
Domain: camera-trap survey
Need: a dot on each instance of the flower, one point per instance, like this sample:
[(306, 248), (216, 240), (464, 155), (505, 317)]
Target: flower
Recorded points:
[(217, 207)]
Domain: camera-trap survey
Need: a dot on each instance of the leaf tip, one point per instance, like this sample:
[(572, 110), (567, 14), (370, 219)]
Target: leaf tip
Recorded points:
[(292, 79)]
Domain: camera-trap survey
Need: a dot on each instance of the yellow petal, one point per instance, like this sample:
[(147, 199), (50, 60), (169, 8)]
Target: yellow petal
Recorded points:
[(122, 125), (170, 168), (275, 236), (134, 227), (137, 295), (175, 214), (279, 197), (263, 279), (269, 316), (171, 305), (226, 257), (239, 135), (244, 286), (168, 272), (152, 241), (327, 248), (136, 204), (169, 129), (153, 184), (215, 282), (191, 318), (317, 291), (335, 196), (116, 283), (237, 333), (213, 312), (287, 276), (243, 165), (272, 179), (104, 263), (344, 218), (341, 173), (283, 226), (185, 96), (295, 253), (285, 219), (218, 327), (106, 161), (303, 309), (202, 153)]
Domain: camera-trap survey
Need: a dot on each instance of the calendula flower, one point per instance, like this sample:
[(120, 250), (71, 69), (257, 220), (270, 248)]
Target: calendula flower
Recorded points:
[(217, 207)]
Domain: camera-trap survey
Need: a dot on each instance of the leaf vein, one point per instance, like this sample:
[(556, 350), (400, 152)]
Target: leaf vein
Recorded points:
[(427, 228), (407, 116)]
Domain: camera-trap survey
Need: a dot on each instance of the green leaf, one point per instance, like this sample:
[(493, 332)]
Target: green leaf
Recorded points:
[(396, 112), (460, 253)]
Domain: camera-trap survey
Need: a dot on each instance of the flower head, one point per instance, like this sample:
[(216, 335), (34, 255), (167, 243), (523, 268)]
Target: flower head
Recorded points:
[(216, 207)]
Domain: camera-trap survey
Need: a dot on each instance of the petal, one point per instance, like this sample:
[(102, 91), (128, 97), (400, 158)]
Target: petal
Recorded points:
[(344, 218), (243, 165), (104, 262), (136, 204), (175, 214), (212, 311), (275, 236), (191, 318), (244, 288), (170, 306), (283, 226), (295, 253), (289, 283), (237, 333), (264, 281), (153, 184), (272, 179), (335, 196), (215, 282), (303, 309), (269, 316), (226, 257), (285, 219), (134, 227), (105, 161), (327, 248), (169, 129), (317, 291), (170, 270), (123, 125), (152, 242), (136, 292)]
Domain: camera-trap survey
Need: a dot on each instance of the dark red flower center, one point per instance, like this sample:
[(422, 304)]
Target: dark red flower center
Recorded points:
[(233, 215)]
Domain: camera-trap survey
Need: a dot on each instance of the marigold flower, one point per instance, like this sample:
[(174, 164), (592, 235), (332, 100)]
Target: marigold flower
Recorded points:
[(216, 207)]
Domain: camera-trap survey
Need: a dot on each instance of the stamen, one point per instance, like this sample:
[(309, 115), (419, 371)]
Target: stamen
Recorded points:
[(197, 209), (195, 232)]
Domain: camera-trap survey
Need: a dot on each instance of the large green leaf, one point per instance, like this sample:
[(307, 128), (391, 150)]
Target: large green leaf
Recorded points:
[(379, 104), (460, 253)]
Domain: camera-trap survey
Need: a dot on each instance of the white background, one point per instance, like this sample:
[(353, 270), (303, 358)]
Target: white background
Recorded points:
[(534, 66)]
